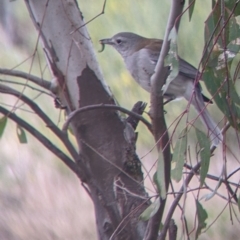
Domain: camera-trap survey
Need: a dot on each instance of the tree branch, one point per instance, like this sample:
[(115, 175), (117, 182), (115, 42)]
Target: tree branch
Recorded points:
[(181, 191), (73, 114), (41, 138), (39, 81), (63, 137), (157, 114), (26, 85)]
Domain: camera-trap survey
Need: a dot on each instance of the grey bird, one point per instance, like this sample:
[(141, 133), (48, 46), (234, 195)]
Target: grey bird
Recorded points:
[(141, 54)]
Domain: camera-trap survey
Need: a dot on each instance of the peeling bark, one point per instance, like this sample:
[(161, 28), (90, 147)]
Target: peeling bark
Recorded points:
[(106, 142)]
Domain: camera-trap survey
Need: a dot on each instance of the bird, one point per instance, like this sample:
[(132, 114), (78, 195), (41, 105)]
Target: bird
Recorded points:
[(141, 54)]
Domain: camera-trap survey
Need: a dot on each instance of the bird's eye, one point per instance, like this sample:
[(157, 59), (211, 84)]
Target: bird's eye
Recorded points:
[(119, 41)]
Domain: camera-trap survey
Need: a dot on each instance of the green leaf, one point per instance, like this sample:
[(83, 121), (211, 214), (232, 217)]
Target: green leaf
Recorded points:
[(230, 4), (151, 210), (160, 177), (212, 194), (224, 93), (21, 134), (233, 48), (179, 155), (210, 25), (191, 8), (214, 36), (235, 71), (205, 154), (172, 59), (234, 30), (202, 217), (3, 123)]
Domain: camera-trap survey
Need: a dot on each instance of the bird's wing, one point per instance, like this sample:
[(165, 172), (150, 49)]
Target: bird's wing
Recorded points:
[(188, 70), (185, 69), (153, 49)]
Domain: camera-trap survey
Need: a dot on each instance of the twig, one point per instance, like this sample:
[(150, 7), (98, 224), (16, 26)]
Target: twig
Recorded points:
[(157, 114), (63, 137), (41, 138), (26, 85), (39, 81), (181, 191), (73, 114)]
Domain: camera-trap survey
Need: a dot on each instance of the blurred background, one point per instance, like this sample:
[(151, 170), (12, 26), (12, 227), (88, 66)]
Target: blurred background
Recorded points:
[(39, 197)]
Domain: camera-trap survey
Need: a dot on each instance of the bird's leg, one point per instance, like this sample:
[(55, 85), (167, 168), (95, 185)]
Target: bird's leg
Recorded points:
[(169, 100)]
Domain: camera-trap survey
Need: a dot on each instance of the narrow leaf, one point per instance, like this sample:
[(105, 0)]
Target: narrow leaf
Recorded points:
[(191, 3), (230, 4), (179, 155), (212, 194), (172, 59), (202, 217), (21, 135), (205, 154), (161, 177), (3, 123), (225, 94), (151, 210)]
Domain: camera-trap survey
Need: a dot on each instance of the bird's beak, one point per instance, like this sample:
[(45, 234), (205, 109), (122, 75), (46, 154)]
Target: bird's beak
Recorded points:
[(108, 41)]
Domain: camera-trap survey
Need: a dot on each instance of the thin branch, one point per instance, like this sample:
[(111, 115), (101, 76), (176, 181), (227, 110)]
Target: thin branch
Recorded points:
[(73, 114), (41, 138), (98, 15), (26, 85), (63, 137), (176, 200), (157, 114), (39, 81), (181, 191), (213, 177)]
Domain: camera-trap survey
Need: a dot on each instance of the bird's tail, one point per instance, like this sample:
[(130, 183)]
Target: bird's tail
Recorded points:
[(215, 133)]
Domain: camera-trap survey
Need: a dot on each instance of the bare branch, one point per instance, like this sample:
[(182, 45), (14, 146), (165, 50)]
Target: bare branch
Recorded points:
[(41, 138), (73, 114), (181, 191), (63, 137), (39, 81), (26, 85), (157, 114)]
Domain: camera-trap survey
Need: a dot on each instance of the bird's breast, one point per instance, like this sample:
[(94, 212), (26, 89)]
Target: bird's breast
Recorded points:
[(141, 68)]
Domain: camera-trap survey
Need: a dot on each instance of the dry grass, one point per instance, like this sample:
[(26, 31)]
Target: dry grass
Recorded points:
[(39, 198)]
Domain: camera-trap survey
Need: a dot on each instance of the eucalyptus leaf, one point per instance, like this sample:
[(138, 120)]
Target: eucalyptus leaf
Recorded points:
[(151, 210), (179, 155), (191, 8), (172, 59), (202, 217), (224, 93), (21, 135), (205, 154), (3, 123), (160, 177), (212, 194)]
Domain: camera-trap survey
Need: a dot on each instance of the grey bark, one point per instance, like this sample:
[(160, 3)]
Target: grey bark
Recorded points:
[(106, 142)]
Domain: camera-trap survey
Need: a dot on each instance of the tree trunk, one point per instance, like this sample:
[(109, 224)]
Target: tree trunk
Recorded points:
[(106, 141)]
